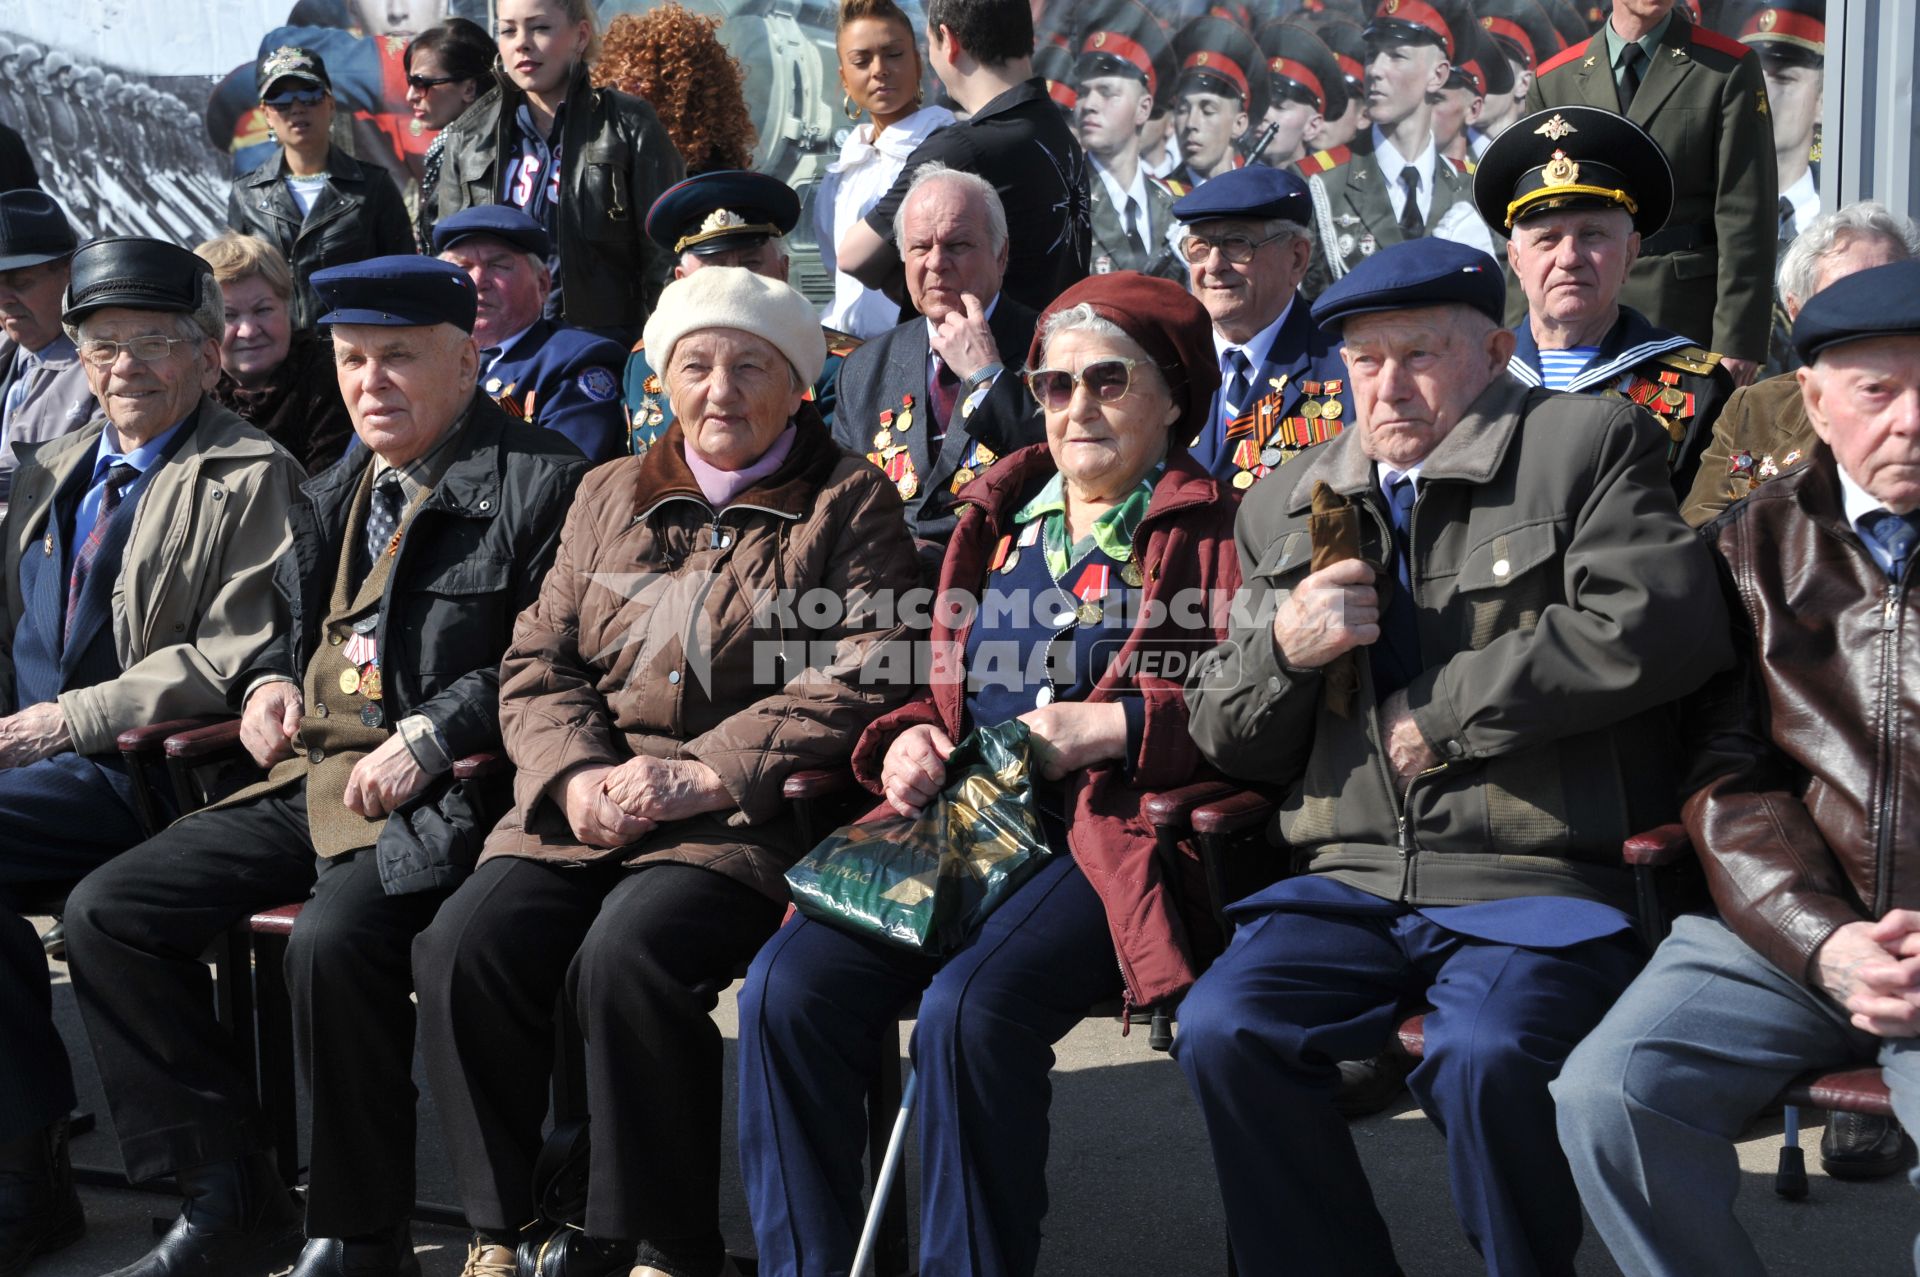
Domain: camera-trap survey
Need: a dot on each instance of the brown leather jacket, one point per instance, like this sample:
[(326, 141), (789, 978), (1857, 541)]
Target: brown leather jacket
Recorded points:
[(657, 632), (1806, 802)]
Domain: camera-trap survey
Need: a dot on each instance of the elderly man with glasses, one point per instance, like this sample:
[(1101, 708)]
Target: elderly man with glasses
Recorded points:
[(138, 587), (1282, 385)]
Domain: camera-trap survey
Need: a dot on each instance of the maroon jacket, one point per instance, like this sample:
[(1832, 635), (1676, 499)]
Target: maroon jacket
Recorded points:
[(1156, 912)]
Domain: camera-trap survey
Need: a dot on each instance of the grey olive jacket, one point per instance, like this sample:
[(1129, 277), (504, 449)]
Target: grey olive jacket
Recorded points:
[(1562, 605)]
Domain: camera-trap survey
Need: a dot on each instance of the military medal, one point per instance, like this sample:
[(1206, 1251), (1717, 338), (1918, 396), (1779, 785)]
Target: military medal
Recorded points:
[(961, 478), (1089, 589), (882, 440), (903, 420), (1131, 574), (372, 715), (1311, 410), (349, 681), (1243, 479), (1331, 410), (1270, 457), (370, 682)]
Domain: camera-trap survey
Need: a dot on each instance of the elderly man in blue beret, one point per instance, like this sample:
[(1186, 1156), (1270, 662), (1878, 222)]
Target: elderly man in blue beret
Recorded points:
[(410, 561), (1803, 787), (729, 217), (565, 379), (137, 587), (1462, 622), (1282, 386)]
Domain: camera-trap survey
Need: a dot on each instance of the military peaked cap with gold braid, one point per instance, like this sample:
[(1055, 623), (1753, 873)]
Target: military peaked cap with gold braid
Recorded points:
[(1573, 157)]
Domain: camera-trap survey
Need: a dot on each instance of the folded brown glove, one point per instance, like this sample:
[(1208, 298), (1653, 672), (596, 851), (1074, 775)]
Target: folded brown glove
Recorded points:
[(1334, 527)]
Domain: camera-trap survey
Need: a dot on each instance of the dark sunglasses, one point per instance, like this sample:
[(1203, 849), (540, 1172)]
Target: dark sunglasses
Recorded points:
[(424, 83), (295, 97), (1107, 380)]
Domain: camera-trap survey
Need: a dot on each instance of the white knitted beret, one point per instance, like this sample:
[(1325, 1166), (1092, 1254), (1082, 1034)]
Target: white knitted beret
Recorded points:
[(734, 297)]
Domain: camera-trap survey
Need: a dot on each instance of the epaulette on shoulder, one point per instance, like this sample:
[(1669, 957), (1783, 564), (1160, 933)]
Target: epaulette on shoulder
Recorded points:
[(1322, 161), (1693, 359), (1721, 43), (839, 343), (1564, 56)]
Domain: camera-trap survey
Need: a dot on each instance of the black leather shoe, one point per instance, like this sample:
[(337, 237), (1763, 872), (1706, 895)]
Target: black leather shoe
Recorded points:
[(239, 1221), (568, 1252), (39, 1211), (1861, 1146), (1368, 1086), (389, 1255)]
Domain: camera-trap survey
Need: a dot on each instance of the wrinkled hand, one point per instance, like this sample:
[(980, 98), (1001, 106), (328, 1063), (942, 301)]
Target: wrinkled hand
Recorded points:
[(1880, 990), (662, 790), (1408, 753), (962, 339), (269, 721), (915, 770), (36, 732), (1070, 737), (595, 818), (1331, 612), (1742, 371), (1899, 933), (384, 779)]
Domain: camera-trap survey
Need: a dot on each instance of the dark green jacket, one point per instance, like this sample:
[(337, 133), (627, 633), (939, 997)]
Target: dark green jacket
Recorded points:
[(1561, 604)]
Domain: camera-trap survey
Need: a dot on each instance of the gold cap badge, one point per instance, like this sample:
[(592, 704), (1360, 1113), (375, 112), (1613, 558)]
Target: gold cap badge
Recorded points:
[(1556, 128)]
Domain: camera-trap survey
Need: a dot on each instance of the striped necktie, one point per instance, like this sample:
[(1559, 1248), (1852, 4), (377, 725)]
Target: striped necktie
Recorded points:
[(119, 476)]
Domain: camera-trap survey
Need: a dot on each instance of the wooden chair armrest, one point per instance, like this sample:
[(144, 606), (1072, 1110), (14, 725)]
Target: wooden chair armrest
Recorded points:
[(1173, 809), (200, 744), (151, 738), (816, 782), (479, 766), (1247, 809), (1665, 845)]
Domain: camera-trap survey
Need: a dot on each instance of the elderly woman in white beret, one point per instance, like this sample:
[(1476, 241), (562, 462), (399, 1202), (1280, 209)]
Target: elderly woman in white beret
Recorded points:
[(653, 702)]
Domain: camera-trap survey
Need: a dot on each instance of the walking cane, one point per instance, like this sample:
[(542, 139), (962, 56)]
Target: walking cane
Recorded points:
[(883, 1182)]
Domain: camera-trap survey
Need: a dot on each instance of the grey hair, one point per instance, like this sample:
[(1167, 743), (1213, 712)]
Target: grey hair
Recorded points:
[(205, 322), (1083, 318), (1800, 265), (934, 171)]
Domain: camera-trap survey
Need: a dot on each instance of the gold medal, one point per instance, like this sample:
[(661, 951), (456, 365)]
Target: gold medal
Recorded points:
[(1310, 409), (1672, 398), (1130, 573), (1675, 427), (1243, 480), (349, 681), (1089, 613), (883, 440), (370, 682), (903, 420), (962, 477), (908, 485), (1332, 410)]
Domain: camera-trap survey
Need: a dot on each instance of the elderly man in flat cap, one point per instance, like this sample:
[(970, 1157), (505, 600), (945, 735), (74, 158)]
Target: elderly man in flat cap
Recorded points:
[(137, 588), (43, 387), (565, 379), (410, 561), (1803, 783), (1465, 701)]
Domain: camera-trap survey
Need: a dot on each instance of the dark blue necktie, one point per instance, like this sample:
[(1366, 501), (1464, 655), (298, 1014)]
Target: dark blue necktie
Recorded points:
[(1895, 535), (1396, 657)]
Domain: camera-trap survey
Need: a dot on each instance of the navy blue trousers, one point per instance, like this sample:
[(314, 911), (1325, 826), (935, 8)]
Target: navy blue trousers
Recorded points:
[(817, 1009), (1298, 990), (59, 819)]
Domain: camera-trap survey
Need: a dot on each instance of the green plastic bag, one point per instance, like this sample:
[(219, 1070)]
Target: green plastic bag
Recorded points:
[(926, 882)]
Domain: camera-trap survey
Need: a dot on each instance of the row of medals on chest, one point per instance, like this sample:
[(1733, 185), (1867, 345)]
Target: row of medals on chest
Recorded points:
[(1089, 588)]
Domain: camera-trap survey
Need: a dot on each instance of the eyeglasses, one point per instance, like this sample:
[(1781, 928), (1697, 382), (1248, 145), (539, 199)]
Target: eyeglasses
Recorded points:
[(1238, 249), (425, 83), (1107, 380), (292, 97), (102, 353)]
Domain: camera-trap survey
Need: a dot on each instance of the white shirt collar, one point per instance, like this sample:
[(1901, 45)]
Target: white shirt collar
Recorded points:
[(1805, 198), (1258, 346), (1137, 193), (1387, 476), (507, 345), (1388, 157), (1854, 499)]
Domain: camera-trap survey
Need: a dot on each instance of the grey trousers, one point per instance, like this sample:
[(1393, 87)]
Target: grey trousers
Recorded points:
[(1650, 1103)]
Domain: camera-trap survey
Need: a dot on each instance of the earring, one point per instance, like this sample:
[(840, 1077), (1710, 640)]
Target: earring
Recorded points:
[(853, 109)]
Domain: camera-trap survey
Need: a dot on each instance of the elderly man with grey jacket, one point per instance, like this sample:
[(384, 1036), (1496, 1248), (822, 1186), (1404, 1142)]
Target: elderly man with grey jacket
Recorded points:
[(138, 586), (43, 388), (1462, 624)]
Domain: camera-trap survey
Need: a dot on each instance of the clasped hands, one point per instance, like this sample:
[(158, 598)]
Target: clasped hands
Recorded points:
[(1066, 737), (1872, 969), (612, 806), (1330, 613), (378, 784)]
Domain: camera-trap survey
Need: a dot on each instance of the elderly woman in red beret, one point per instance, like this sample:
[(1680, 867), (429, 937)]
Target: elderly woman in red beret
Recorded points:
[(1096, 557)]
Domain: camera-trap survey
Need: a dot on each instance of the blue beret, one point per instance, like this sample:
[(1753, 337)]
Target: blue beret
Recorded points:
[(396, 292), (728, 208), (1255, 191), (1883, 301), (1417, 273), (501, 221)]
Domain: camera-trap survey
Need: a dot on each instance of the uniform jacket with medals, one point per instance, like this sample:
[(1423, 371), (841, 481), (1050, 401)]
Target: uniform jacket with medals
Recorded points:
[(649, 412), (566, 380), (885, 415), (1709, 272), (467, 562), (1762, 433), (1111, 249), (1300, 398), (1683, 386), (1353, 211)]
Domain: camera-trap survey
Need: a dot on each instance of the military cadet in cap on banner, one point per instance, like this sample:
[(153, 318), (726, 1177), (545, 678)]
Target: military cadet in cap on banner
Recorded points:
[(1125, 62), (1221, 91), (1578, 190), (1398, 188), (1333, 146), (1708, 275), (727, 217), (1791, 40), (1283, 386), (565, 379), (1305, 90), (1479, 75), (1522, 31)]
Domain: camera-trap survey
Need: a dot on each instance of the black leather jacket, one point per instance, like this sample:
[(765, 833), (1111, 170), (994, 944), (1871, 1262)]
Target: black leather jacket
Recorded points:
[(616, 159), (359, 215)]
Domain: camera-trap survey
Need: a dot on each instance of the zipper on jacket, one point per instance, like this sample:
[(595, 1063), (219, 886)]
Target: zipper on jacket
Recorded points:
[(1889, 704)]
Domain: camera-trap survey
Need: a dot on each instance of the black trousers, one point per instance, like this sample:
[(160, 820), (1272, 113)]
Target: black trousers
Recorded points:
[(135, 931), (642, 956)]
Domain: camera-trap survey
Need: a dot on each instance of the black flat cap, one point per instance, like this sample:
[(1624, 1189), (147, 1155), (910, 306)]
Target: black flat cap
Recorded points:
[(135, 272), (1572, 157), (1882, 301), (33, 230)]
